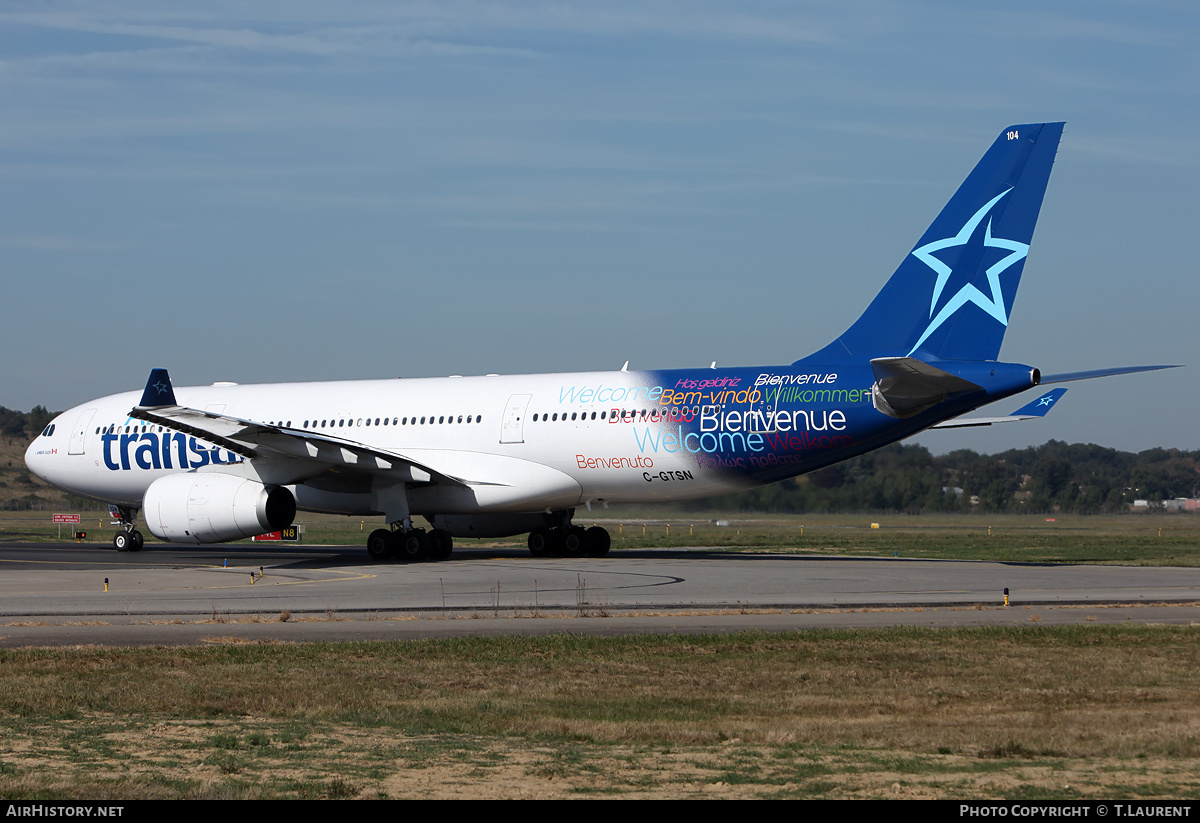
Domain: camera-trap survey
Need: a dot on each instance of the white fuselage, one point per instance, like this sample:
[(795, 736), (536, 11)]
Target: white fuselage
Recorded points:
[(522, 443)]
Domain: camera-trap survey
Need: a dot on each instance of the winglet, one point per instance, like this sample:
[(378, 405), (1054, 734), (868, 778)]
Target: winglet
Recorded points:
[(1039, 407), (158, 390), (1030, 411)]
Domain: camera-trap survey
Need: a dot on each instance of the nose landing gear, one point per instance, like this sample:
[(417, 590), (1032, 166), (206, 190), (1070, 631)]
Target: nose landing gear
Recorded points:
[(128, 539)]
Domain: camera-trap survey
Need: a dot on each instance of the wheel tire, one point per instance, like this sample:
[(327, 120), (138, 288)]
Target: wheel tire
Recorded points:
[(539, 542), (441, 544), (414, 545), (121, 541), (136, 541), (381, 544), (597, 542), (573, 541)]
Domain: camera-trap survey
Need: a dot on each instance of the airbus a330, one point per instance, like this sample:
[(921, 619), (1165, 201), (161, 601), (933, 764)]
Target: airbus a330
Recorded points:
[(502, 455)]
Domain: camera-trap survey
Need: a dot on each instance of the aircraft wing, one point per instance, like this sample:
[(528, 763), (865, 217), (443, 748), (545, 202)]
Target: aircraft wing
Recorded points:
[(1030, 411), (1066, 377), (308, 451)]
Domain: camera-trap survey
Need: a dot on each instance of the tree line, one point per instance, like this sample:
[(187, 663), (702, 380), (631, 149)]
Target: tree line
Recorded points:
[(21, 424), (1080, 478)]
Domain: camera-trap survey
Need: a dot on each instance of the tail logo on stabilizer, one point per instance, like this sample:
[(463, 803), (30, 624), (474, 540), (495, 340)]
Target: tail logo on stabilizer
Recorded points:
[(967, 269)]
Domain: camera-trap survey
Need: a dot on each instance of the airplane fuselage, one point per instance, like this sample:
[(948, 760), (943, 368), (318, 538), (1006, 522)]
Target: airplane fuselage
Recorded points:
[(542, 441), (491, 455)]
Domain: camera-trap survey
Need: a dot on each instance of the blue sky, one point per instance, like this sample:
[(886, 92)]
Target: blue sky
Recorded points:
[(294, 190)]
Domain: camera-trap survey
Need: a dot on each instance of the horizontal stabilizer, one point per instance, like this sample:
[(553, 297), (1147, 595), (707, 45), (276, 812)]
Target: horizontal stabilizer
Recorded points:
[(1030, 411), (905, 386), (1067, 377), (1039, 407)]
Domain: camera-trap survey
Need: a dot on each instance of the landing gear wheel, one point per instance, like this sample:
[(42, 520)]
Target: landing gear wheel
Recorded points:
[(573, 541), (381, 544), (414, 545), (441, 544), (136, 540), (596, 542), (539, 542), (121, 541)]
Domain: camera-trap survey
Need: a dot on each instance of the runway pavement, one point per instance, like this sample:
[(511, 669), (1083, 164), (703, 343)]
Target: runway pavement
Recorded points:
[(55, 594)]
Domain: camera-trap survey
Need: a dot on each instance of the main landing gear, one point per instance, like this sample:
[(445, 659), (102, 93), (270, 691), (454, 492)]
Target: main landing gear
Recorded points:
[(410, 545), (128, 539), (569, 541)]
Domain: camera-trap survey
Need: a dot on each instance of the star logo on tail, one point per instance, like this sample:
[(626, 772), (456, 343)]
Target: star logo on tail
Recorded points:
[(969, 236)]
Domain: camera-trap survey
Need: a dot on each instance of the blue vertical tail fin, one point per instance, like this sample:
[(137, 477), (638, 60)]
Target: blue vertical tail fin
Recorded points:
[(951, 297)]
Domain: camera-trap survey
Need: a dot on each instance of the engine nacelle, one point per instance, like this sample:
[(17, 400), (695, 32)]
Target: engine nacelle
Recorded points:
[(210, 508)]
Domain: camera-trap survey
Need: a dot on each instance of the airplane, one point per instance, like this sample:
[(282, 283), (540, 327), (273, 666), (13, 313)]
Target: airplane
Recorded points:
[(494, 456)]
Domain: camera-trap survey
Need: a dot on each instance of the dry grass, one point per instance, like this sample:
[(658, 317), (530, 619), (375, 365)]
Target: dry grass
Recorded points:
[(1005, 712), (1157, 539)]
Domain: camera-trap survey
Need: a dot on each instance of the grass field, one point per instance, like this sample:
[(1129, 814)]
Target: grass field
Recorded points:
[(986, 713), (1150, 539), (1008, 713)]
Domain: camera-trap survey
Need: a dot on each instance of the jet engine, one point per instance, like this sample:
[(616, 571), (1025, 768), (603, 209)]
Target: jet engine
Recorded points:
[(210, 508)]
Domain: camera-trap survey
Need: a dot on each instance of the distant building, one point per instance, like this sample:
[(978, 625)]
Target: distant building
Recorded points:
[(1177, 504)]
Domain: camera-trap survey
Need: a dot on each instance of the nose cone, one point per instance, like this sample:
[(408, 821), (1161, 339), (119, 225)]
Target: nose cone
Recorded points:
[(37, 457)]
